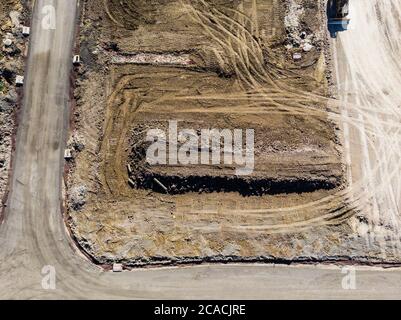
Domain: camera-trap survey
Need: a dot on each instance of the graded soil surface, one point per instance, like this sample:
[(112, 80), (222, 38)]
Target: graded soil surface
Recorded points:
[(206, 64)]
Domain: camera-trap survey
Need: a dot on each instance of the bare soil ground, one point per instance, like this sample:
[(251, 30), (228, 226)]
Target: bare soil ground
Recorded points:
[(12, 48), (225, 64)]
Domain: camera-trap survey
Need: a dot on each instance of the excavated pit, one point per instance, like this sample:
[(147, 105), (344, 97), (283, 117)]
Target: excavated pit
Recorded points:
[(276, 165), (208, 184)]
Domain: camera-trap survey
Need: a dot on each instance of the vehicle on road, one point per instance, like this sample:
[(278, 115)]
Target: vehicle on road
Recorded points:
[(337, 13)]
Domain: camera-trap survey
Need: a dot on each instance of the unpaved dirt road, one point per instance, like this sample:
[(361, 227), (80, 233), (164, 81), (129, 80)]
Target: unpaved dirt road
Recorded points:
[(368, 70), (33, 234)]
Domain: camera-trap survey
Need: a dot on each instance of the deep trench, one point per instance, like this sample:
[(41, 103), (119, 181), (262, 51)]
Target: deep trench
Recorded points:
[(208, 184), (143, 177)]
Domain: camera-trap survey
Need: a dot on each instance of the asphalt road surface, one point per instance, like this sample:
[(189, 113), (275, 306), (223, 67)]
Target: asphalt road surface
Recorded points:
[(33, 234)]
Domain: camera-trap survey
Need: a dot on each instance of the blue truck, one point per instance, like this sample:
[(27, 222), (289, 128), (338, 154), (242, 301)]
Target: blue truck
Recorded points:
[(337, 13)]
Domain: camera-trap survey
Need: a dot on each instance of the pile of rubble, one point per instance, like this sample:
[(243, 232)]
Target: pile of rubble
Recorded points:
[(299, 37), (77, 197), (13, 46)]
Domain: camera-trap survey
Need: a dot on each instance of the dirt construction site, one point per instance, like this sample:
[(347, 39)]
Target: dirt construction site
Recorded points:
[(264, 65)]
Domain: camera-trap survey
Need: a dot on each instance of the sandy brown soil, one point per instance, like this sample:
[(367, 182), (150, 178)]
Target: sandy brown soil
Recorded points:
[(208, 64)]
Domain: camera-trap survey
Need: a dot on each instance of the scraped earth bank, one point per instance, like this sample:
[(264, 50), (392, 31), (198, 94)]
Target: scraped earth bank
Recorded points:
[(207, 64), (299, 164), (13, 14)]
